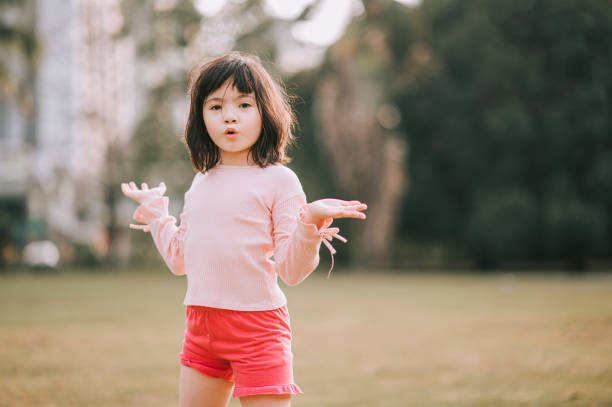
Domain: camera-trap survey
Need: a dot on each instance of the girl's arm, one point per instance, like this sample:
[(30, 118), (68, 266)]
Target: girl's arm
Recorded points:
[(153, 212), (297, 238)]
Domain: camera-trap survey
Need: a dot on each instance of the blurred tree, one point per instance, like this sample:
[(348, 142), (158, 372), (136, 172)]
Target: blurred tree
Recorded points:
[(161, 32), (19, 52), (509, 131), (357, 124), (20, 49)]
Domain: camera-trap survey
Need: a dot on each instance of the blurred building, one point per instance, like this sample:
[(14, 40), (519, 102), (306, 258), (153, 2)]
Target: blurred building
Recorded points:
[(55, 160)]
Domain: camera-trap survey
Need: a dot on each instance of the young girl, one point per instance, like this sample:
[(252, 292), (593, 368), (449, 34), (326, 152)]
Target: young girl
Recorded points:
[(243, 207)]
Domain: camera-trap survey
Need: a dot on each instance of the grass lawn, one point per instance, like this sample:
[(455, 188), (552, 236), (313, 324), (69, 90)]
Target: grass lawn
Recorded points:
[(360, 339)]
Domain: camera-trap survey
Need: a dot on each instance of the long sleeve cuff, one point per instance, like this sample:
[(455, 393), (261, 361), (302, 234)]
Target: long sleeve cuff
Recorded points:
[(325, 233), (148, 211)]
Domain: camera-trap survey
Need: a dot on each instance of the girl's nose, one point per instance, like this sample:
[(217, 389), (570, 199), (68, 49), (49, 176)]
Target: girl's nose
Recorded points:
[(229, 116)]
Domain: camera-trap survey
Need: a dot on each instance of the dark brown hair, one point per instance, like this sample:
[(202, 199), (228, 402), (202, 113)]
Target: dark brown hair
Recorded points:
[(247, 75)]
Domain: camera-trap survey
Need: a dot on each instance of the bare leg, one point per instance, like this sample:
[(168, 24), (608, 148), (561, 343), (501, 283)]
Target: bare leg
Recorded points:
[(198, 390), (268, 400)]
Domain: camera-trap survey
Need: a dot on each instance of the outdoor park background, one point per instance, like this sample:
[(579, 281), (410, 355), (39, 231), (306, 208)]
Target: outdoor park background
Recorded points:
[(478, 132)]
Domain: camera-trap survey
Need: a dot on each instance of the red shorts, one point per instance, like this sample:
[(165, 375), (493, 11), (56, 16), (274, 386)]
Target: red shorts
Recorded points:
[(251, 348)]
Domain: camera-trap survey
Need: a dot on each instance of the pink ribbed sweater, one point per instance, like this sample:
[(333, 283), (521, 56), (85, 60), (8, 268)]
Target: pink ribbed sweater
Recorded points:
[(234, 219)]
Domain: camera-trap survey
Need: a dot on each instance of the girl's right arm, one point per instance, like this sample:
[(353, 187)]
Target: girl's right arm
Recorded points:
[(153, 212)]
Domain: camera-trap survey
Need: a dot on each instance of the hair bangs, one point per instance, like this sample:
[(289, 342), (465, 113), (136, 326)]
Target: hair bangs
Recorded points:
[(237, 71), (242, 78)]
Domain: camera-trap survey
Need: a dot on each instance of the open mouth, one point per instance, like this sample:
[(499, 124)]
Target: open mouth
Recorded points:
[(230, 131), (231, 135)]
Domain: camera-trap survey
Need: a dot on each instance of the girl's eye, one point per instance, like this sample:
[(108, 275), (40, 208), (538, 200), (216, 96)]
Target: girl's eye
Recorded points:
[(215, 107), (245, 105)]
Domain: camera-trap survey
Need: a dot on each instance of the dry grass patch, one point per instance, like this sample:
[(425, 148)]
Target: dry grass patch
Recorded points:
[(360, 339)]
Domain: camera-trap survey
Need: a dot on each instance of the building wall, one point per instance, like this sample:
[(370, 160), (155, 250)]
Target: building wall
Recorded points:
[(83, 103)]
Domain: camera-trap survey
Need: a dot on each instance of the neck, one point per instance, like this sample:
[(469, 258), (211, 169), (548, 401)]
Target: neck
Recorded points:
[(227, 159)]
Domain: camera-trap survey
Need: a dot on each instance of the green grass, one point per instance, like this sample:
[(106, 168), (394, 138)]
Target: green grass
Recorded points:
[(360, 339)]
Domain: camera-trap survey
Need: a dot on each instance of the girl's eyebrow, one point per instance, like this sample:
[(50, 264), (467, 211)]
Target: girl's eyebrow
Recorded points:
[(242, 95)]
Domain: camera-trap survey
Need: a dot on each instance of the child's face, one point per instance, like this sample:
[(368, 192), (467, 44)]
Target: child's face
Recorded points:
[(233, 122)]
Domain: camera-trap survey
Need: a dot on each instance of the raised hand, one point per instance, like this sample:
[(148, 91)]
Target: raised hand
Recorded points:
[(322, 209), (144, 194)]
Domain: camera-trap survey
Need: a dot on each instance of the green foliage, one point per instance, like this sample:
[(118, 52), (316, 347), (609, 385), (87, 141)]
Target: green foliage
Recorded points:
[(18, 42), (509, 130), (155, 151), (13, 230), (502, 227), (575, 228)]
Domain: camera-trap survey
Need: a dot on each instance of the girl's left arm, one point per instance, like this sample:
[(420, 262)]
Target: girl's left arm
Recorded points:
[(299, 230)]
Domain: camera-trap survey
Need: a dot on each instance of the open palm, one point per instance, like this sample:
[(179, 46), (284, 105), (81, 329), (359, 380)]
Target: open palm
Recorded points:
[(144, 194), (322, 209)]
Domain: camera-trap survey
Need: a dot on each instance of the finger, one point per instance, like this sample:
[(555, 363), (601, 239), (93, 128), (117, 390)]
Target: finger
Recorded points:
[(144, 186), (345, 213), (133, 185), (144, 228), (356, 215), (360, 207), (125, 188), (356, 203)]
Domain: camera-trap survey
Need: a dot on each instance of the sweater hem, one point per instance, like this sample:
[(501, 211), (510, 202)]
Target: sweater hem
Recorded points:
[(231, 307)]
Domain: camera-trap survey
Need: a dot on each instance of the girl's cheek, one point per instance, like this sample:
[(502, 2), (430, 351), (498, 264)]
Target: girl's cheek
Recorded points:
[(208, 117), (207, 121)]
